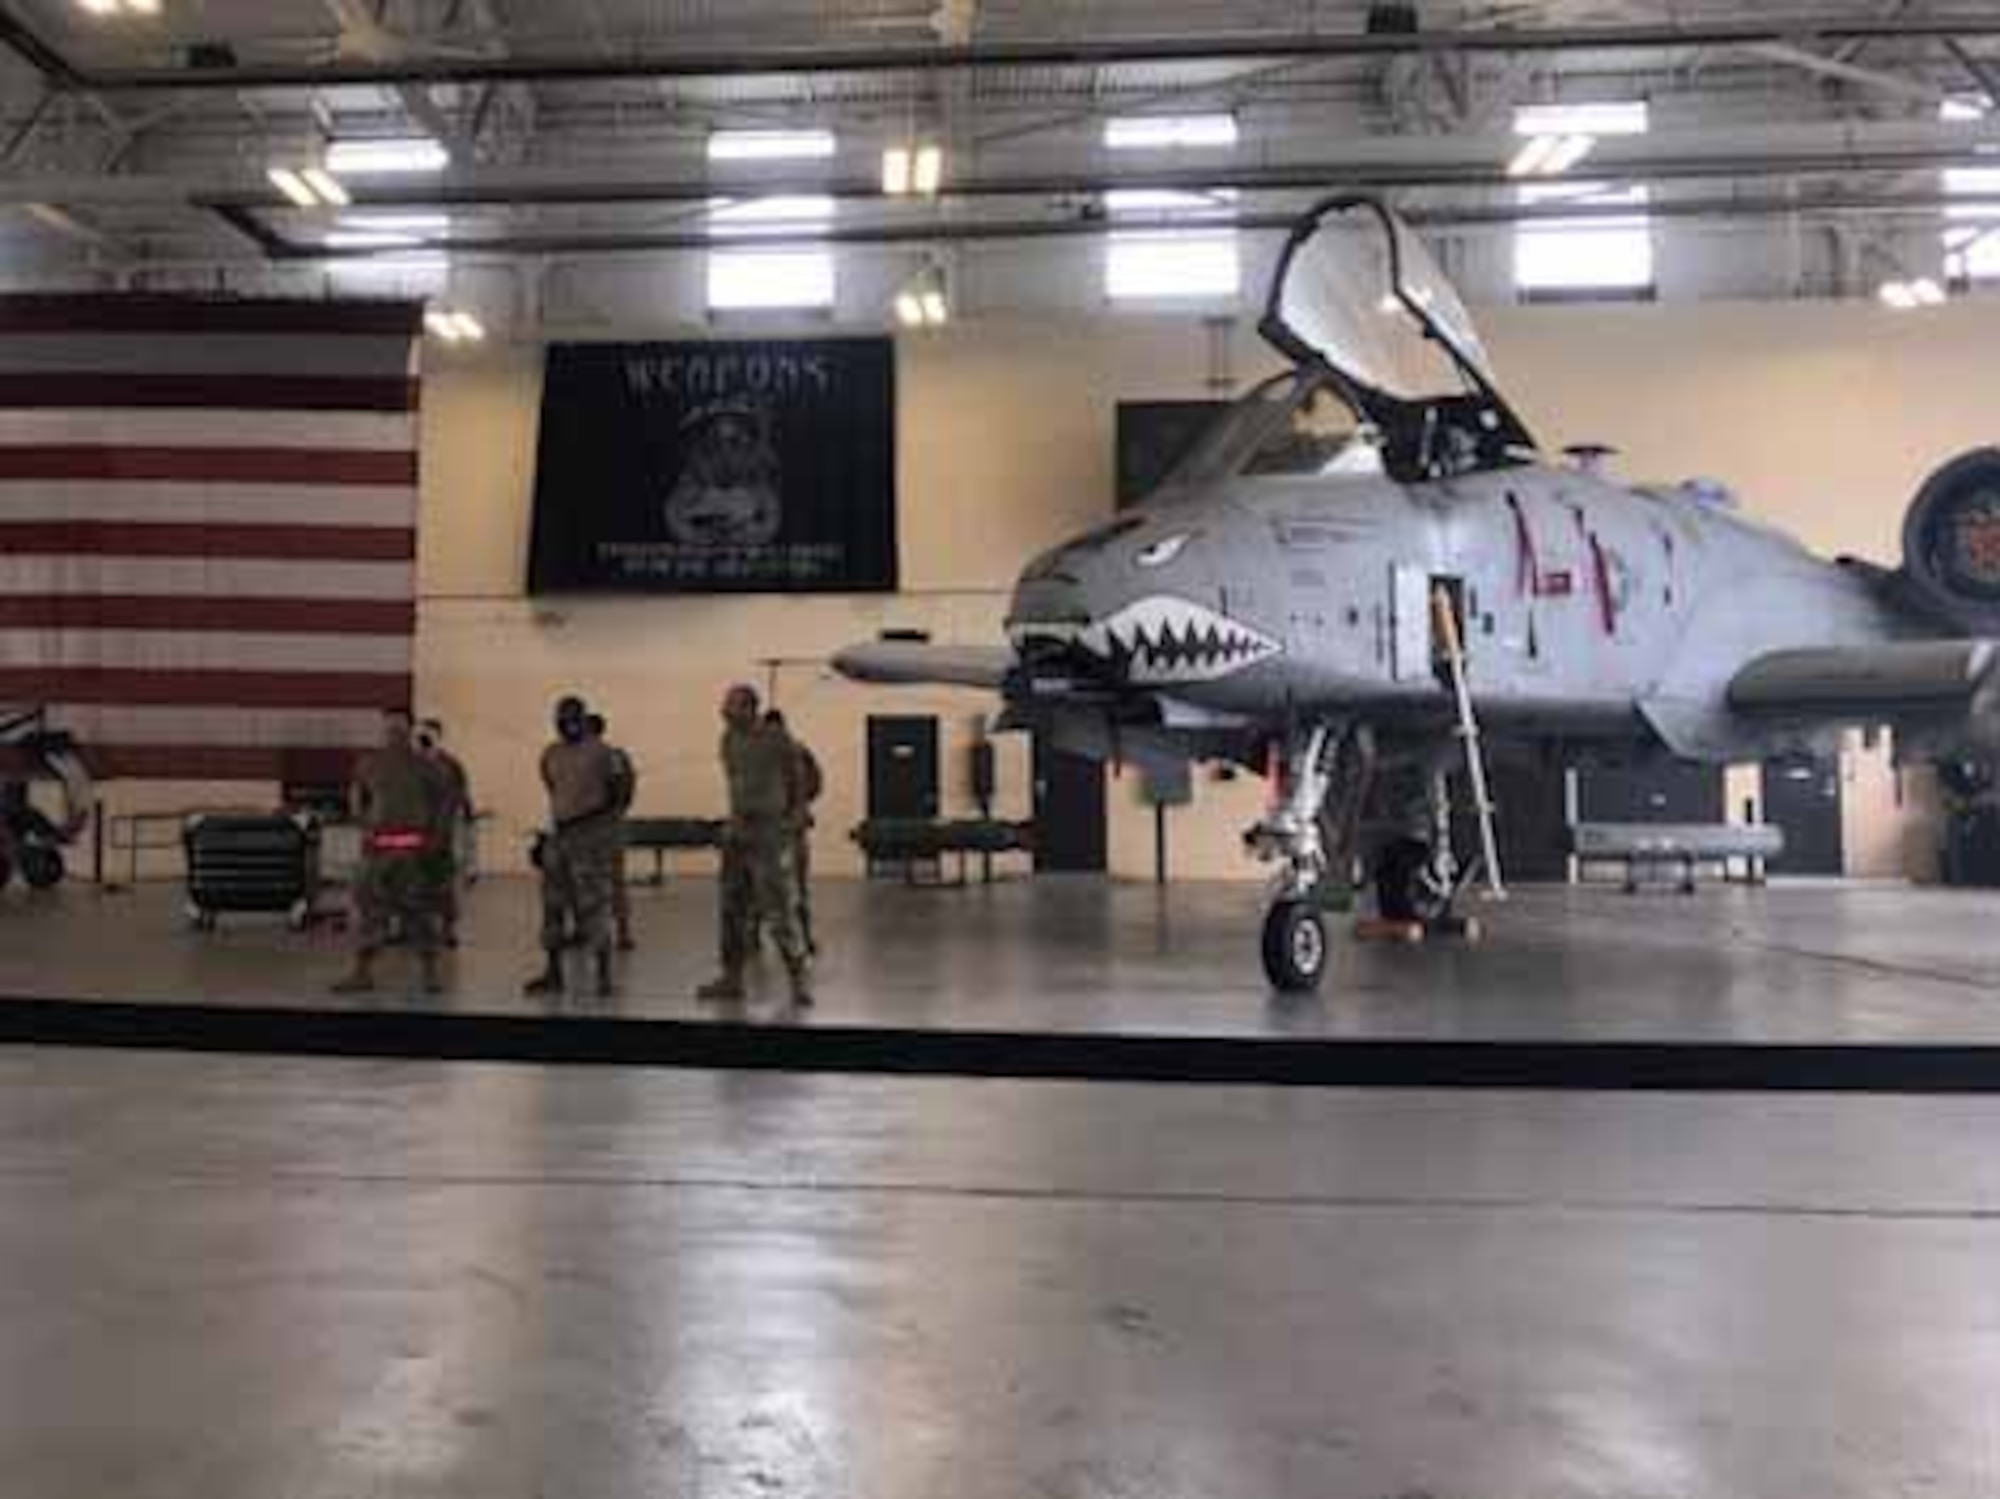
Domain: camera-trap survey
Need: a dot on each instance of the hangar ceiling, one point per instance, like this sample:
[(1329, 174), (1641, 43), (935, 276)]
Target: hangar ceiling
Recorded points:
[(137, 146)]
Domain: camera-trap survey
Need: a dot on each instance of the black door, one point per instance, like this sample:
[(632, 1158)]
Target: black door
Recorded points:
[(1670, 791), (902, 769), (1153, 437), (1070, 834), (1802, 796), (1530, 822)]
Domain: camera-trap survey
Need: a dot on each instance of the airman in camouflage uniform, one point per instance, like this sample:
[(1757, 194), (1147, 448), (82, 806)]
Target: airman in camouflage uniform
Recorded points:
[(579, 851), (403, 804), (625, 787), (807, 784), (758, 880), (430, 741)]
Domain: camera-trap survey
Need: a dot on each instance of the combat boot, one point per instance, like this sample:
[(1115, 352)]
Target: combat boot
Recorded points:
[(548, 981), (607, 984), (802, 994), (361, 979), (725, 990), (433, 973)]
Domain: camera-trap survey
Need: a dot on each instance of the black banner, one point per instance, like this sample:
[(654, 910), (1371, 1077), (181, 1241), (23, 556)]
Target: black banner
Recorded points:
[(764, 467)]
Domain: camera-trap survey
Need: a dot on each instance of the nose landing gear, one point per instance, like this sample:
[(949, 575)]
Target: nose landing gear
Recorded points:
[(1310, 832)]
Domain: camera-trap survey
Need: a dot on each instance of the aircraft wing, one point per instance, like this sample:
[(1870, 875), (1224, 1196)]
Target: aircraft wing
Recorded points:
[(1886, 680), (897, 663)]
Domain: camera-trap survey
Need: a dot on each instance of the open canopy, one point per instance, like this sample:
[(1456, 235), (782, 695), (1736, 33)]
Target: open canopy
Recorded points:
[(1358, 293)]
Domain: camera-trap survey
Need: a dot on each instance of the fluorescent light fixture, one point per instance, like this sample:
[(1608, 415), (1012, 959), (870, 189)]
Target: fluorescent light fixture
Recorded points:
[(1173, 266), (394, 223), (454, 327), (1964, 110), (924, 302), (1611, 254), (768, 279), (897, 171), (770, 145), (775, 215), (387, 156), (913, 168), (1632, 118), (120, 7), (1560, 136), (928, 174), (357, 239), (294, 187), (325, 186), (1550, 155), (1129, 202), (1569, 151), (1168, 132)]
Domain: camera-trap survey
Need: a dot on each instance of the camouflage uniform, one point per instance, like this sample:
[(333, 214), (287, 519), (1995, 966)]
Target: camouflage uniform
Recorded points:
[(808, 786), (759, 881), (625, 784), (401, 797), (458, 785), (580, 856)]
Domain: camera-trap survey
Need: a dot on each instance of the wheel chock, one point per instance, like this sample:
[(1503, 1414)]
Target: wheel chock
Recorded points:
[(1376, 929)]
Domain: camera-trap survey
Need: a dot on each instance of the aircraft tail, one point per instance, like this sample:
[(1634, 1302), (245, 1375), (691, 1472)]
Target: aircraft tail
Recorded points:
[(1951, 544)]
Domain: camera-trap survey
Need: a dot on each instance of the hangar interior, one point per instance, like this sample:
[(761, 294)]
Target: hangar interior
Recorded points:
[(1051, 1193)]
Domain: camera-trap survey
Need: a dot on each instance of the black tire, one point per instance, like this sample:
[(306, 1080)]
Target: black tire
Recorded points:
[(42, 867), (1295, 947), (6, 871), (1402, 891)]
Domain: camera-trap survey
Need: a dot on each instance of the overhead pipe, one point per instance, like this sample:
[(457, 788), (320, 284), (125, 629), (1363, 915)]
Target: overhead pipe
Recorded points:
[(1383, 163), (1091, 52), (974, 231)]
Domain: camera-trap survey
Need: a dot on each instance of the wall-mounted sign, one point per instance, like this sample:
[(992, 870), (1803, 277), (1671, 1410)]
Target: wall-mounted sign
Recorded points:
[(765, 467)]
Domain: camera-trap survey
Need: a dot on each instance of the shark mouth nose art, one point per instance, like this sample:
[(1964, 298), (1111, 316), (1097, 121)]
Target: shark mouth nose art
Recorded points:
[(1162, 639)]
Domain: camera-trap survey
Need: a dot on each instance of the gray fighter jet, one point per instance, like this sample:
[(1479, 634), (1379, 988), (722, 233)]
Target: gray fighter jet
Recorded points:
[(1365, 572)]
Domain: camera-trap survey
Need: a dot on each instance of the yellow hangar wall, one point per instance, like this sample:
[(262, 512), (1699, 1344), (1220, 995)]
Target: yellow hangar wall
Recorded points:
[(1824, 416)]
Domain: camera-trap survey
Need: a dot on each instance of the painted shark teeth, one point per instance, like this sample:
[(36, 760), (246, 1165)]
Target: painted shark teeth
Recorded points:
[(1163, 639)]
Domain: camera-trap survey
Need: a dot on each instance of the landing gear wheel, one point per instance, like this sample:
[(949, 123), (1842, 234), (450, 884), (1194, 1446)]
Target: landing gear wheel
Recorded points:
[(1295, 948), (41, 867), (1404, 890)]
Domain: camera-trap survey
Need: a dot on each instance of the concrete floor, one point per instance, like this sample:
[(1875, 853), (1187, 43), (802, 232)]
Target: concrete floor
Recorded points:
[(1827, 963), (410, 1281), (246, 1279)]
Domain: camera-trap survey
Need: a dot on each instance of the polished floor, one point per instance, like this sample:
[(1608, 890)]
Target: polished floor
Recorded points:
[(323, 1280), (367, 1280), (1800, 963)]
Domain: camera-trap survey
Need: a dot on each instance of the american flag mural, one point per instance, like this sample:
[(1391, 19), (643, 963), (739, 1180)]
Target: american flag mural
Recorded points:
[(208, 536)]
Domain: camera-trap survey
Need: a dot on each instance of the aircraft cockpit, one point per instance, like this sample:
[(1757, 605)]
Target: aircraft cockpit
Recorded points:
[(1359, 302), (1295, 425)]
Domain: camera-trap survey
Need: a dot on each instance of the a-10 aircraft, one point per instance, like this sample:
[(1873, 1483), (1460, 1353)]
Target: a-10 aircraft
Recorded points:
[(1365, 570)]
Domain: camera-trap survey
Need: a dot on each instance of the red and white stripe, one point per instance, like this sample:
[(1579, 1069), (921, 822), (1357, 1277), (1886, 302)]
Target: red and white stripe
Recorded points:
[(208, 528)]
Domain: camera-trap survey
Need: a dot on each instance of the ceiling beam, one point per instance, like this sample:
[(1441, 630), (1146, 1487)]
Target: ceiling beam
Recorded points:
[(1982, 71), (1895, 84), (1383, 163), (1718, 208), (738, 61)]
